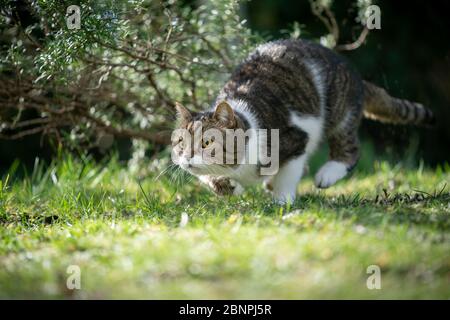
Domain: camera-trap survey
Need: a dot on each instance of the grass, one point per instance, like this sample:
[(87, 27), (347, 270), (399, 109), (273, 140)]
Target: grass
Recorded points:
[(141, 237)]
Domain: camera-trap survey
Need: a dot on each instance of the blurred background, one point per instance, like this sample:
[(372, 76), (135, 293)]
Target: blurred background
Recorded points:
[(128, 66)]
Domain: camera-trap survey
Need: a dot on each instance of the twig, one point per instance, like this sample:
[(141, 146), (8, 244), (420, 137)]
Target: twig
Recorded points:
[(328, 20), (356, 44)]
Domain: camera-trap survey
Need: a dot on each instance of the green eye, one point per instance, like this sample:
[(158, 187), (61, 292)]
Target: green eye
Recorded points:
[(206, 143)]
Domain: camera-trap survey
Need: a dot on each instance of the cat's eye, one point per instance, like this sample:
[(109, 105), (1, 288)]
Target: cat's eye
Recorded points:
[(206, 143), (180, 139)]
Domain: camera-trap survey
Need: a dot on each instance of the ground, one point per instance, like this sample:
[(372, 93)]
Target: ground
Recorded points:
[(148, 236)]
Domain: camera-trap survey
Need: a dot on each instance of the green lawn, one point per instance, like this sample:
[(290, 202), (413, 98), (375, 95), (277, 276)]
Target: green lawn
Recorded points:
[(127, 235)]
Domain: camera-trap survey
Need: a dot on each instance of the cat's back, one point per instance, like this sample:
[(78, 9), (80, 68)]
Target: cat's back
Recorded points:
[(293, 75), (282, 73), (293, 50)]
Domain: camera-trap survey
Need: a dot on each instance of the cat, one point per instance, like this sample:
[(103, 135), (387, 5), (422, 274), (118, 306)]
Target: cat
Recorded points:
[(306, 91)]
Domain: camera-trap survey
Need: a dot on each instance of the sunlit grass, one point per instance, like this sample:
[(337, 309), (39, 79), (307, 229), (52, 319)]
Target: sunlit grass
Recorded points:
[(125, 233)]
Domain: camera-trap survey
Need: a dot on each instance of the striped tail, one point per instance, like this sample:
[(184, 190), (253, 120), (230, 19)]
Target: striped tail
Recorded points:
[(380, 106)]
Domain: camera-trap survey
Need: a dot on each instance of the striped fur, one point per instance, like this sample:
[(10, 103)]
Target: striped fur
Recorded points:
[(379, 105), (310, 94)]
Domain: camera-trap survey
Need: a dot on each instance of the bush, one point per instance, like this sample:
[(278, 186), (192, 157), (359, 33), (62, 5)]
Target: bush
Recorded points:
[(119, 74)]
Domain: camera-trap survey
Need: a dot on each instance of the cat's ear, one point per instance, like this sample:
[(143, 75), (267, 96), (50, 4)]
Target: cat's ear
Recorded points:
[(224, 113), (182, 112)]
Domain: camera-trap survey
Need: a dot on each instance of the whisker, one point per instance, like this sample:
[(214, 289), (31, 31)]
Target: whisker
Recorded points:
[(164, 171)]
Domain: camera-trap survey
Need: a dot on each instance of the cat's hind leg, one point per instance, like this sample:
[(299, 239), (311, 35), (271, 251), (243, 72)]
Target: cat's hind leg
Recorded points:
[(344, 154), (284, 183)]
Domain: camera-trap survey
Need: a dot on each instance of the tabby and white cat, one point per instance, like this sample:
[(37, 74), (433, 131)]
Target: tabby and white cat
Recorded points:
[(307, 92)]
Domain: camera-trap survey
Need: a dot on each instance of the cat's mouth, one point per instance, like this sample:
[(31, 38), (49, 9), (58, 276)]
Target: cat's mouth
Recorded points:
[(201, 168)]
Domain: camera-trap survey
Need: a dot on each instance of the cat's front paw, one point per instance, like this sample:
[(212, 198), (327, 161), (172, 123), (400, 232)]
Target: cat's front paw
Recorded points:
[(281, 194), (225, 186), (284, 199)]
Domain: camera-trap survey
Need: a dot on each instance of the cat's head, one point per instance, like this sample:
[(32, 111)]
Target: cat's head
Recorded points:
[(200, 140)]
